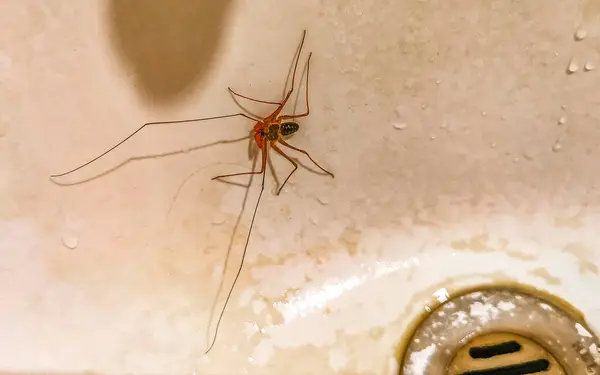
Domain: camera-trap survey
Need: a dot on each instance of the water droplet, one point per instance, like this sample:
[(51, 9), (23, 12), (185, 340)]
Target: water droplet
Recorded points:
[(562, 120), (573, 66), (324, 201), (516, 160), (484, 113), (70, 241), (589, 66), (557, 147), (438, 81), (314, 219), (432, 137), (493, 145), (218, 219), (564, 106), (580, 34), (400, 126)]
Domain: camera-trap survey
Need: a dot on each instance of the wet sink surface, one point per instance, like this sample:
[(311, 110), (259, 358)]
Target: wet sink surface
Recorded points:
[(464, 153)]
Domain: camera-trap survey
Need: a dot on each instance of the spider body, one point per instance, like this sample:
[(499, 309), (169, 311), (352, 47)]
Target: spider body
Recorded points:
[(273, 131)]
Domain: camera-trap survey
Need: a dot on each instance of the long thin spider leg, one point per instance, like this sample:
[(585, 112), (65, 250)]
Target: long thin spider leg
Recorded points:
[(282, 117), (283, 142), (142, 127), (249, 98), (287, 96), (279, 151), (239, 271), (262, 169)]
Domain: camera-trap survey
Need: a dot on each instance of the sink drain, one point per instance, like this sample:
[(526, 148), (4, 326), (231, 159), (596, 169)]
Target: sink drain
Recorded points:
[(501, 331), (503, 353)]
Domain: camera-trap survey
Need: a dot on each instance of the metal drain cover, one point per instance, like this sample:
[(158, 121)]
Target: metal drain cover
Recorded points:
[(501, 331)]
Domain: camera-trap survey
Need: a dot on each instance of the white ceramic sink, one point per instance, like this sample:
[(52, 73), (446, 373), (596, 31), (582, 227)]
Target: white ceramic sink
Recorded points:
[(463, 153)]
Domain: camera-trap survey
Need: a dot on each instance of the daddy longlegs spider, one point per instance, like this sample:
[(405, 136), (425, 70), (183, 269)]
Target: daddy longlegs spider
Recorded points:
[(268, 132)]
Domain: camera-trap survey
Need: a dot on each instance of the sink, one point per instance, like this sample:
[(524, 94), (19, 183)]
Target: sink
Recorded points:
[(463, 139)]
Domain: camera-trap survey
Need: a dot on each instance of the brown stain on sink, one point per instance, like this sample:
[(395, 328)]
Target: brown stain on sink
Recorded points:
[(319, 253), (573, 222), (171, 264), (546, 276), (377, 333), (582, 254), (479, 244), (350, 237), (476, 244)]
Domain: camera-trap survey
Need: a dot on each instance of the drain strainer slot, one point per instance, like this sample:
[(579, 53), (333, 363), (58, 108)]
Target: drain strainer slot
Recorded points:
[(489, 351), (503, 353), (501, 331)]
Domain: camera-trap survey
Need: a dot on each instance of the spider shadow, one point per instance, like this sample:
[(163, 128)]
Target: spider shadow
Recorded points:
[(253, 155), (229, 249), (144, 157)]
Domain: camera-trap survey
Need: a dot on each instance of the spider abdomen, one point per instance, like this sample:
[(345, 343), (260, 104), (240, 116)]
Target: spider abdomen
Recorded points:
[(288, 128)]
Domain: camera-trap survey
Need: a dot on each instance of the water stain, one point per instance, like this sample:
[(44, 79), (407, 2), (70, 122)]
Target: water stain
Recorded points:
[(262, 260), (319, 253), (376, 333), (582, 254), (479, 244), (167, 45), (286, 211), (476, 244), (350, 237), (568, 222), (290, 295), (546, 276)]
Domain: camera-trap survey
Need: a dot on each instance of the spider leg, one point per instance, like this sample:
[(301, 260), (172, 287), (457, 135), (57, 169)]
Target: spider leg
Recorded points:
[(142, 128), (283, 142), (289, 93), (307, 106), (280, 152), (249, 98)]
